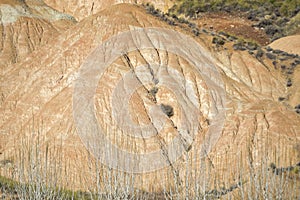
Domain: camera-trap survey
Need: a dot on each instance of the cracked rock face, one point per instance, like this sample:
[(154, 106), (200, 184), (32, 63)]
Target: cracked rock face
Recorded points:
[(37, 94)]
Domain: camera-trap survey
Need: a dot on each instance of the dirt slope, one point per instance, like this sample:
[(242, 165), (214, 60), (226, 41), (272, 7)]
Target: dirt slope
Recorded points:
[(37, 95)]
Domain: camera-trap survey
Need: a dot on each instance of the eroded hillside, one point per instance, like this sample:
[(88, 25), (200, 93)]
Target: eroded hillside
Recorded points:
[(25, 26), (259, 129)]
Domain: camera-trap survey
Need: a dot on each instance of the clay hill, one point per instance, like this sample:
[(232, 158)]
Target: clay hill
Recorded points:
[(261, 128)]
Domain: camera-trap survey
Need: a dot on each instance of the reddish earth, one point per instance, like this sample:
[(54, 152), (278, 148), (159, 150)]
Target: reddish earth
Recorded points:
[(234, 24)]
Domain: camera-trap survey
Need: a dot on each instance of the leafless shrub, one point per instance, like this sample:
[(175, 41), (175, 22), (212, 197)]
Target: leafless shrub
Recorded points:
[(38, 176)]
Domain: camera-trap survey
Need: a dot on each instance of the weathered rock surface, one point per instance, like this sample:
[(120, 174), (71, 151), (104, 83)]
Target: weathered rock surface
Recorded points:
[(36, 94)]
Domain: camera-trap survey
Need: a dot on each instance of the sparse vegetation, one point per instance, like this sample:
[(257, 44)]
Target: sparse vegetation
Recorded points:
[(167, 109), (33, 181), (218, 41), (279, 7), (162, 16), (271, 56), (289, 83), (281, 98), (292, 27), (12, 189), (239, 45), (171, 19), (297, 109), (259, 53), (154, 91), (277, 17)]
